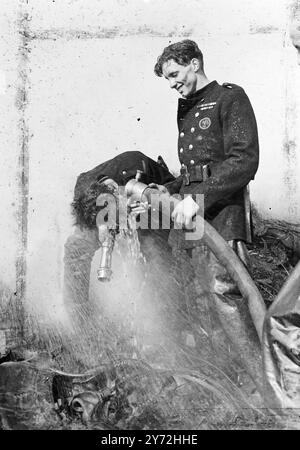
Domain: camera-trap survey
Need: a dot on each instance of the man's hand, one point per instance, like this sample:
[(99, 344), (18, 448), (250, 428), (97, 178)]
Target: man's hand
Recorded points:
[(159, 187), (137, 207), (184, 211)]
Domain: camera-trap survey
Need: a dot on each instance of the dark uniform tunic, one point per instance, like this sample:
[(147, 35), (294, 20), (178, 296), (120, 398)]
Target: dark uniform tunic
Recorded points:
[(122, 168), (217, 127)]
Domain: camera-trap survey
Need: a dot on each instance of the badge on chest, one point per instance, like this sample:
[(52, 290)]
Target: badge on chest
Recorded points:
[(205, 123)]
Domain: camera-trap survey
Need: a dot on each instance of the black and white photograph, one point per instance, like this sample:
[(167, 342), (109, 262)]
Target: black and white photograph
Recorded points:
[(150, 218)]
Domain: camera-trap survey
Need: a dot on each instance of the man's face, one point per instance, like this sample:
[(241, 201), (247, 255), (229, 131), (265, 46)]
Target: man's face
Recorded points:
[(295, 36), (181, 78)]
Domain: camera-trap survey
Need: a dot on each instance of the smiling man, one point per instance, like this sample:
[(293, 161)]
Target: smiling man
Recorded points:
[(217, 143), (218, 151), (185, 78)]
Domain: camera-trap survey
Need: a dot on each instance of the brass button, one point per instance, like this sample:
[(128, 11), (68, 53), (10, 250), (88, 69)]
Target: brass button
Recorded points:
[(192, 129), (124, 172), (191, 147), (181, 150), (197, 114), (192, 162), (181, 134)]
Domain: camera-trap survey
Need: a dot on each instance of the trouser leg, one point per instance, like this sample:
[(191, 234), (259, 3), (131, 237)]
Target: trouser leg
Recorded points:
[(230, 307), (79, 252)]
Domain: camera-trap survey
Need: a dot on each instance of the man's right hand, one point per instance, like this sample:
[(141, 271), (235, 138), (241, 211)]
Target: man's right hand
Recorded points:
[(159, 187), (184, 211)]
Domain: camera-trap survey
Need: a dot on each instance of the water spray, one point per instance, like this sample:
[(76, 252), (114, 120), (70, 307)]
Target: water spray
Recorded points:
[(106, 235), (140, 192), (139, 198)]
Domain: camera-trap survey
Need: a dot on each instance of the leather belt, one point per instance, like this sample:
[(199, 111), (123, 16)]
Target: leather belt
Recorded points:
[(196, 173)]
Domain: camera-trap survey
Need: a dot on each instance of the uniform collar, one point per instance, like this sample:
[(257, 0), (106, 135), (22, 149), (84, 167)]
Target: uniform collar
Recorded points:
[(194, 98)]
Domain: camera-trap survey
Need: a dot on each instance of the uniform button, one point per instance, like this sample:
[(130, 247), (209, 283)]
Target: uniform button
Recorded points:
[(181, 150), (192, 162), (181, 134), (124, 172), (191, 147), (197, 114), (192, 129)]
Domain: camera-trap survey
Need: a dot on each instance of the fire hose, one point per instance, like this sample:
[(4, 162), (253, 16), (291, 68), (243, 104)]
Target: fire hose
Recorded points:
[(140, 193), (212, 239)]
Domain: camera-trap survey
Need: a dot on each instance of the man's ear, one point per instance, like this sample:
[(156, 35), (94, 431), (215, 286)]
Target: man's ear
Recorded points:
[(195, 64)]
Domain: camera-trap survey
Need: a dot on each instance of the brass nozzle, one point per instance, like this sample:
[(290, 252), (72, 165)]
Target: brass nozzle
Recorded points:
[(104, 271), (135, 189)]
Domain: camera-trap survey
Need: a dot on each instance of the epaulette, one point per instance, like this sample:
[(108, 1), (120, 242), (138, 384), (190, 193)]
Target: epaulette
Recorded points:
[(231, 86), (228, 85)]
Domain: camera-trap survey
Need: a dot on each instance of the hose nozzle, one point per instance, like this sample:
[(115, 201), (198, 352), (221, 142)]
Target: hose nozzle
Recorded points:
[(135, 190), (107, 241)]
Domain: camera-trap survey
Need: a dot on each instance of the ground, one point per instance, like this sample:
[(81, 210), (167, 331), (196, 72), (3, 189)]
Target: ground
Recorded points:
[(130, 387)]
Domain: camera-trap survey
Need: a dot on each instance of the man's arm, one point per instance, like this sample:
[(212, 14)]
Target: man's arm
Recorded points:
[(241, 150)]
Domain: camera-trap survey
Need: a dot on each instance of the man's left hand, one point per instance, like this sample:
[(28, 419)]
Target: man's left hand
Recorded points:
[(184, 211)]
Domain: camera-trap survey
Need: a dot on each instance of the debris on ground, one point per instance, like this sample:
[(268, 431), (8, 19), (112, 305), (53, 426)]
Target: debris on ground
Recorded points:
[(274, 253), (132, 387)]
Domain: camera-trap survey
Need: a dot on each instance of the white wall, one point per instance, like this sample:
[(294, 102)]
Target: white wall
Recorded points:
[(10, 135), (90, 78)]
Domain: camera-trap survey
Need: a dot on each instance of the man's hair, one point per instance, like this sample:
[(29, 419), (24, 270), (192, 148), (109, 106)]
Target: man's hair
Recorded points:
[(84, 208), (181, 52)]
